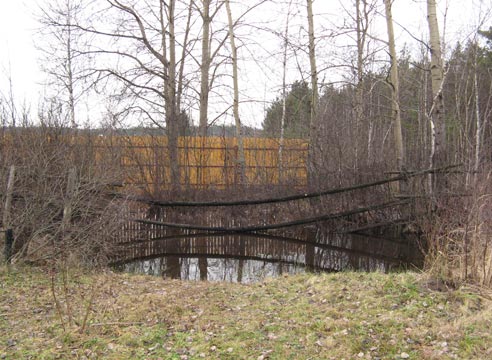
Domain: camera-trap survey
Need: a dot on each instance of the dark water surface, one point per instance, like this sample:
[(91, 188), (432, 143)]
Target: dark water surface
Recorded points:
[(251, 258)]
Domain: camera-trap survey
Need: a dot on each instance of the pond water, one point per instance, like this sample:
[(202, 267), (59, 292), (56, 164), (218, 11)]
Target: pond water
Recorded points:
[(212, 269), (252, 258)]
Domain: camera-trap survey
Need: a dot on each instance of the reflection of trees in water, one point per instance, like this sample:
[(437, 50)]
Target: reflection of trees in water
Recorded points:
[(229, 270), (252, 257)]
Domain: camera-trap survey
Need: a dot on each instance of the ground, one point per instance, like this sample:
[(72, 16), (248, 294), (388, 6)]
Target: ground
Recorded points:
[(328, 316)]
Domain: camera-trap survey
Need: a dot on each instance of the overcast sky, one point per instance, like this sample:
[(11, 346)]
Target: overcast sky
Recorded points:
[(18, 56)]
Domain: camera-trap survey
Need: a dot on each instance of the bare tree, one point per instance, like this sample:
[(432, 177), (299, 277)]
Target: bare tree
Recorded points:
[(143, 46), (61, 44)]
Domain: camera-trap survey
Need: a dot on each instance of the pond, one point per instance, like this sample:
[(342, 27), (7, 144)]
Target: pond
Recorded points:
[(247, 258), (211, 269)]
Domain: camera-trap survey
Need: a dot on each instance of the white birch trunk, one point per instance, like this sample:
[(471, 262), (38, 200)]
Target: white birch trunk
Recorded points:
[(437, 77)]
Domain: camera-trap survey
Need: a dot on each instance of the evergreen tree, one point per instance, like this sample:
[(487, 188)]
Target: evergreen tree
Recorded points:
[(297, 115)]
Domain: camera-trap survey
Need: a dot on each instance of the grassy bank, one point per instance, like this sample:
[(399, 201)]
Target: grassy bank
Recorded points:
[(332, 316)]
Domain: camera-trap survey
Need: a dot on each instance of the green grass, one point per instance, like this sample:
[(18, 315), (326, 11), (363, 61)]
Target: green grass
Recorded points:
[(330, 316)]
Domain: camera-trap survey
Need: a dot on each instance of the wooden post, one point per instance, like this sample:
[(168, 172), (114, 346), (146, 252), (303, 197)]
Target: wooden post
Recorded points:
[(9, 242), (9, 234), (203, 268), (310, 254), (8, 199), (242, 252)]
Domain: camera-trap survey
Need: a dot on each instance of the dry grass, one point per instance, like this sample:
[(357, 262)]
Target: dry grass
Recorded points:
[(333, 316)]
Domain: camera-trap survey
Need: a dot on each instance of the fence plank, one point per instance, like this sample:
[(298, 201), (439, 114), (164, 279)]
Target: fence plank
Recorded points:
[(212, 162)]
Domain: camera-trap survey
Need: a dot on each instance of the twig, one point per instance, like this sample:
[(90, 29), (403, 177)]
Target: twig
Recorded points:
[(301, 196), (248, 229), (88, 309), (119, 323), (57, 304)]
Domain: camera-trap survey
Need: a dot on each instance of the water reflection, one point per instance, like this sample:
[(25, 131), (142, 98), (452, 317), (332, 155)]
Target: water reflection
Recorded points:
[(211, 269), (252, 257)]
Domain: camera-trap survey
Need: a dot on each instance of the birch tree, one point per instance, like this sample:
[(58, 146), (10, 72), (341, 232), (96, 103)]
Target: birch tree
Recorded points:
[(395, 89), (436, 114)]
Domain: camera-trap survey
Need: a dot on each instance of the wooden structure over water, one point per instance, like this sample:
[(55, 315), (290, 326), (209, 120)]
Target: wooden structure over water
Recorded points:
[(358, 227)]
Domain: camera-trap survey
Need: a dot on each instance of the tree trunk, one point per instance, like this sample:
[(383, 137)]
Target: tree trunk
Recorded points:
[(241, 161), (205, 68), (184, 52), (478, 120), (6, 219), (7, 216), (361, 28), (284, 100), (170, 99), (359, 94), (69, 70), (314, 85), (395, 89), (438, 147)]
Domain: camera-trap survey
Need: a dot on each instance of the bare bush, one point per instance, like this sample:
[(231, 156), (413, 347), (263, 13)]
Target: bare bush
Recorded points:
[(458, 233), (61, 208)]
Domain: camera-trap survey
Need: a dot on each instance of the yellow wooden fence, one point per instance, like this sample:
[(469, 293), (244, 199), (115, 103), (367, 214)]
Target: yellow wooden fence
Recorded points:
[(211, 162)]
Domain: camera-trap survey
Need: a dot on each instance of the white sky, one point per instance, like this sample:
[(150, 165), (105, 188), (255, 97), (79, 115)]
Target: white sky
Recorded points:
[(18, 56)]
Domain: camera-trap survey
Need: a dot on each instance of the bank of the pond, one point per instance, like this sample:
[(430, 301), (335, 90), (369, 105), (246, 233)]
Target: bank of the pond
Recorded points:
[(328, 316)]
